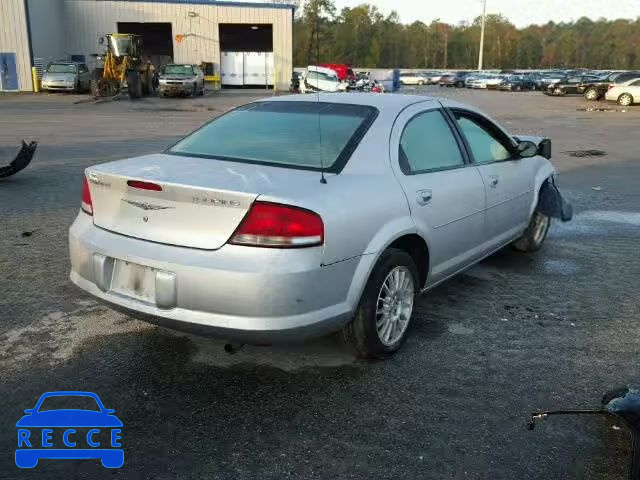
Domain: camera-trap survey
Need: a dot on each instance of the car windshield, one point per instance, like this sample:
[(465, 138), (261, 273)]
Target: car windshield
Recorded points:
[(65, 402), (307, 135), (179, 70), (61, 68)]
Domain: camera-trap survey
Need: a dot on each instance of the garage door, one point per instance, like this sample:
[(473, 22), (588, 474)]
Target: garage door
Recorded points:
[(232, 68)]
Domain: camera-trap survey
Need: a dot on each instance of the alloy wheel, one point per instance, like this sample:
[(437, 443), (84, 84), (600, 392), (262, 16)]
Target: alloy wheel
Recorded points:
[(394, 305)]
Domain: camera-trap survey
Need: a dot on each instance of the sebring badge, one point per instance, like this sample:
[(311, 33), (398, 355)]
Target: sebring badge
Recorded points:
[(145, 205)]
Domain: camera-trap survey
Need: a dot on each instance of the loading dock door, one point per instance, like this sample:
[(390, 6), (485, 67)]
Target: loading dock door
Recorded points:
[(8, 72), (232, 69), (157, 40)]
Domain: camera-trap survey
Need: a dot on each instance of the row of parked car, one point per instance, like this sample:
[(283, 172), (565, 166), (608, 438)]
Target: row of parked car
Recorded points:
[(621, 87), (171, 79)]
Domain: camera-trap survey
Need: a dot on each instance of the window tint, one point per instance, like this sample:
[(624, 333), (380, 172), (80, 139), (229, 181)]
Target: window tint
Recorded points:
[(428, 143), (484, 145), (635, 84), (308, 135), (312, 76), (83, 69)]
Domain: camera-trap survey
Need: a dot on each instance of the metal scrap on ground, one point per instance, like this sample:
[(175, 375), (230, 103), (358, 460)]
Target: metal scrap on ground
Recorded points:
[(21, 161)]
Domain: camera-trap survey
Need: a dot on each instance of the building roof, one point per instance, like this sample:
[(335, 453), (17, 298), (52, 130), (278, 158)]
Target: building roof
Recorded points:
[(221, 3)]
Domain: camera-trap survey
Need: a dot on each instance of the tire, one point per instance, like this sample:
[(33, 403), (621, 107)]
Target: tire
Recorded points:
[(535, 234), (194, 90), (362, 333), (203, 89), (134, 85), (420, 83), (625, 100), (558, 91), (94, 85), (591, 94)]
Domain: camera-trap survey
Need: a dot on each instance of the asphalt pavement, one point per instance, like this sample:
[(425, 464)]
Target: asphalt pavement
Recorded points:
[(515, 333)]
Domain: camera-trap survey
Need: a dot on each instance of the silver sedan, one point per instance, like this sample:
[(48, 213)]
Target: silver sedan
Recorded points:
[(294, 216)]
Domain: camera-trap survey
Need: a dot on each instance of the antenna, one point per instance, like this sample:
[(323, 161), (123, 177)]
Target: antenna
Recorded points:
[(322, 179)]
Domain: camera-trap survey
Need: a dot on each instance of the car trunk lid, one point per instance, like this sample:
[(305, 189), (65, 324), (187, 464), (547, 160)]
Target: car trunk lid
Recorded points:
[(176, 200)]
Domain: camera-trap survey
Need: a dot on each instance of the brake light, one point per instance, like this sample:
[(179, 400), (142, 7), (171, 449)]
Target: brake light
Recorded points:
[(279, 226), (144, 185), (87, 204)]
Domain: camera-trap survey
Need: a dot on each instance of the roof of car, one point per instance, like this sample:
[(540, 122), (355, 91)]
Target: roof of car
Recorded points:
[(385, 103)]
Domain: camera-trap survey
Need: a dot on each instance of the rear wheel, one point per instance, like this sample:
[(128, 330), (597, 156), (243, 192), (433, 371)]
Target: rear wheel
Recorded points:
[(420, 82), (535, 234), (591, 94), (625, 100), (134, 85), (381, 322)]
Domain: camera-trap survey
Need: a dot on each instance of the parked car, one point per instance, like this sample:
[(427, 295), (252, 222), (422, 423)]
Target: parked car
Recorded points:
[(494, 81), (571, 85), (596, 90), (66, 76), (245, 231), (321, 79), (344, 71), (517, 83), (181, 79), (625, 94), (478, 82), (435, 78), (412, 78), (459, 79), (447, 80)]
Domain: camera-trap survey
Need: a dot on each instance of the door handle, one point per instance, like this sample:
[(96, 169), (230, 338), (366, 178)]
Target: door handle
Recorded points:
[(423, 197), (493, 181)]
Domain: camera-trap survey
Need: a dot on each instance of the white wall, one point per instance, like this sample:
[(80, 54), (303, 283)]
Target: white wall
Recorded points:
[(86, 21), (14, 38)]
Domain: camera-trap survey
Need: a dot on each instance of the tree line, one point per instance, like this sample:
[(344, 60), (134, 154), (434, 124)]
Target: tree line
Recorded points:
[(362, 36)]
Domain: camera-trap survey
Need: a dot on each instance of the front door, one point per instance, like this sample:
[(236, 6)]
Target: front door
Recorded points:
[(508, 179), (444, 191), (8, 72)]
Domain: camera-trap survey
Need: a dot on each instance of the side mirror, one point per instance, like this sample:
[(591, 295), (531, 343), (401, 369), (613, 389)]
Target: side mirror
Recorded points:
[(29, 411), (109, 411), (527, 149)]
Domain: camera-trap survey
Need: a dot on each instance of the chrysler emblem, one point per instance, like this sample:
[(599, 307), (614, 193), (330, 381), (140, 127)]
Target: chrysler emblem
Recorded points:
[(145, 205)]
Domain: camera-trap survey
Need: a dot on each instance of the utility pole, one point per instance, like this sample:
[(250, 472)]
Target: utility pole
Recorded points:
[(484, 15), (446, 44)]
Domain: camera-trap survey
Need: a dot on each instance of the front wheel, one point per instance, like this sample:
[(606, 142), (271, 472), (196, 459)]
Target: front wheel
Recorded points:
[(535, 234), (381, 322)]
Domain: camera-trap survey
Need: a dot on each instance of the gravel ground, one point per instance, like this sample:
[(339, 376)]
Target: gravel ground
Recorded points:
[(513, 334)]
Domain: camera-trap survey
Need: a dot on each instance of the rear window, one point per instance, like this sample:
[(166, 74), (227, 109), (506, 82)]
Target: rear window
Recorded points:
[(304, 135)]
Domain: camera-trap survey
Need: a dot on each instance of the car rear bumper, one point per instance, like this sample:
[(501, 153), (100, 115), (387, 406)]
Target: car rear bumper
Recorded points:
[(235, 292)]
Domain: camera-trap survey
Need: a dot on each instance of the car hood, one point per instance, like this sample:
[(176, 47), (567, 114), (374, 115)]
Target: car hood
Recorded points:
[(60, 77), (69, 418)]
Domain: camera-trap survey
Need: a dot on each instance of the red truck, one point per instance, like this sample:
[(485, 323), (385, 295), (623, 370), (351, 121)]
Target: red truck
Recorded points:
[(344, 71)]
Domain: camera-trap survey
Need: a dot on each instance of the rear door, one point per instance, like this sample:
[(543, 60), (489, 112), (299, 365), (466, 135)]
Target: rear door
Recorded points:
[(508, 179), (444, 191)]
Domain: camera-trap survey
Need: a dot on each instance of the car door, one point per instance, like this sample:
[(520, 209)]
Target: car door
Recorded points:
[(508, 179), (84, 76), (444, 191)]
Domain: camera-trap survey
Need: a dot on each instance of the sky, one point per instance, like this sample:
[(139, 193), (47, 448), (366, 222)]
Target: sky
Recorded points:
[(519, 12)]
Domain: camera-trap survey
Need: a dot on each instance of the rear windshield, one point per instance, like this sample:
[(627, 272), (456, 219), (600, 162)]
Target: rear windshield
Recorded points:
[(305, 135)]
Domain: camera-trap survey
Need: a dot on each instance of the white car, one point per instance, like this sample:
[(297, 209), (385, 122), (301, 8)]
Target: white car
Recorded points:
[(478, 83), (321, 79), (493, 82), (625, 94), (410, 78)]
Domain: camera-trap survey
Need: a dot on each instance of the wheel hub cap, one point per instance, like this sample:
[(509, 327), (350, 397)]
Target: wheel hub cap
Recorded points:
[(394, 305)]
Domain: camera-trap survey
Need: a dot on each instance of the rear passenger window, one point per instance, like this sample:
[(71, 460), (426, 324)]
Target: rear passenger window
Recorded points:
[(428, 143)]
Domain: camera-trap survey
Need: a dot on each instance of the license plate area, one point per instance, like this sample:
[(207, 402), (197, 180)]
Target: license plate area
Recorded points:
[(133, 280)]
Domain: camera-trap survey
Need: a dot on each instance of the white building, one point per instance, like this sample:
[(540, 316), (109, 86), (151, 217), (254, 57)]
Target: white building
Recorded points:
[(234, 38)]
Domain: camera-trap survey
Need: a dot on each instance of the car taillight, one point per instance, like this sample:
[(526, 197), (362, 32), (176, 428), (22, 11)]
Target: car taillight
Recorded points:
[(279, 226), (87, 204)]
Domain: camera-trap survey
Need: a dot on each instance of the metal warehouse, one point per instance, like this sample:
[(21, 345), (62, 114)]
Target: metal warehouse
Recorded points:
[(239, 43)]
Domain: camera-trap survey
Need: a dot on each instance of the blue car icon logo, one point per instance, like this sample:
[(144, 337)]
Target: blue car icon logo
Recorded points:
[(53, 430)]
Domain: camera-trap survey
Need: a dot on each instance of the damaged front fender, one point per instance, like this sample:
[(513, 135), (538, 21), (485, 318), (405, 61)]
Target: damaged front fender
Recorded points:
[(552, 204)]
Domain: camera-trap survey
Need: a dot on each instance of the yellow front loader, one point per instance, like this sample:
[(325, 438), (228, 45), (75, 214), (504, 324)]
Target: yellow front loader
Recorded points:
[(123, 66)]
